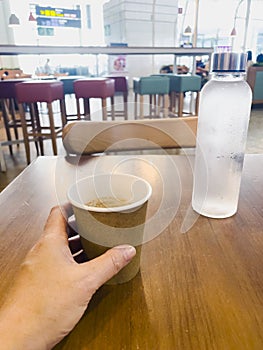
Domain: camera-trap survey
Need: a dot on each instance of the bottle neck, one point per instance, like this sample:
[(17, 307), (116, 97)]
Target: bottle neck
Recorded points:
[(228, 76)]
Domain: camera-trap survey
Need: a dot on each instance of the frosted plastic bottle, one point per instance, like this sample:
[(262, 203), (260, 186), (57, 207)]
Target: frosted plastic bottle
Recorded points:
[(223, 119)]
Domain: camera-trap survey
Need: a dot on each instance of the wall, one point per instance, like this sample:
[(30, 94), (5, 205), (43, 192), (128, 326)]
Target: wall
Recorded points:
[(6, 35), (142, 23), (26, 33)]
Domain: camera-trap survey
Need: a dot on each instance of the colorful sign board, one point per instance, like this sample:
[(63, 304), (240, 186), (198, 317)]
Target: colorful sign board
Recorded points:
[(58, 17)]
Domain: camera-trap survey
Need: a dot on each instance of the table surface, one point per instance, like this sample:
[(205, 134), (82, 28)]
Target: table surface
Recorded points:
[(201, 280)]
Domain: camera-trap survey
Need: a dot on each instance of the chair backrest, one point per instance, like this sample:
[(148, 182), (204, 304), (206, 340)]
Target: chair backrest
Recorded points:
[(89, 137), (255, 80)]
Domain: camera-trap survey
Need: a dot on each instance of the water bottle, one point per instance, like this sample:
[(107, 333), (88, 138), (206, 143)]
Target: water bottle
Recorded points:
[(223, 118)]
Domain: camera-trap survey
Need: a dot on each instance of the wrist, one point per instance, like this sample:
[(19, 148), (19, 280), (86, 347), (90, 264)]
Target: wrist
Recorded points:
[(19, 330)]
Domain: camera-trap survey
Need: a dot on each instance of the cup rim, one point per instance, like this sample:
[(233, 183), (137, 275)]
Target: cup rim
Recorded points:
[(121, 208)]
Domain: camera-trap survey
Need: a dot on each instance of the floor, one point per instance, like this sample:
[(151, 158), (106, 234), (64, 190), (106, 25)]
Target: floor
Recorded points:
[(17, 162)]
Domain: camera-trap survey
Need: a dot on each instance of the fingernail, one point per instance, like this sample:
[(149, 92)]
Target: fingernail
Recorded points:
[(128, 251)]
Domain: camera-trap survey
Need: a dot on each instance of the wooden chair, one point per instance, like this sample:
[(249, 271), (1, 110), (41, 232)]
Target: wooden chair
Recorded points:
[(88, 137), (255, 81), (32, 93), (121, 86), (88, 88), (11, 118), (179, 85), (157, 88), (68, 89)]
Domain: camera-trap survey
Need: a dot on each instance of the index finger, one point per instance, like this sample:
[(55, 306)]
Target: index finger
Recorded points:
[(56, 224), (67, 210)]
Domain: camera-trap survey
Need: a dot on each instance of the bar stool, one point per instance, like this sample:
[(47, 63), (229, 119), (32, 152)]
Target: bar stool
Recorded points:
[(121, 85), (181, 83), (68, 88), (94, 88), (8, 104), (154, 86), (32, 92)]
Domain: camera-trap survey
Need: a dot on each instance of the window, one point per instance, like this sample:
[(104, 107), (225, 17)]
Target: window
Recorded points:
[(88, 12), (107, 30)]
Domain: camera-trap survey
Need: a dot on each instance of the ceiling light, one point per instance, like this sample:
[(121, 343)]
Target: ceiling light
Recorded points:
[(13, 20), (233, 32), (188, 31), (31, 18)]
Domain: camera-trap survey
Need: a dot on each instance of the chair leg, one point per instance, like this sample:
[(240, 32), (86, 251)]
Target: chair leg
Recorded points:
[(112, 108), (33, 111), (166, 105), (62, 104), (13, 116), (125, 103), (141, 106), (135, 106), (36, 128), (6, 123), (171, 106), (104, 108), (86, 103), (150, 105), (78, 108), (2, 160), (173, 102), (25, 133), (181, 104), (52, 128), (197, 99), (156, 106)]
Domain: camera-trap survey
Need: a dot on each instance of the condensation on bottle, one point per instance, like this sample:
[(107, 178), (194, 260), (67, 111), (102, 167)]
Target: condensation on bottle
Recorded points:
[(223, 118)]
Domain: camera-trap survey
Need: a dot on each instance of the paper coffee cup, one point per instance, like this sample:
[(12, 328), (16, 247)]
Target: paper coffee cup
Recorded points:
[(110, 210)]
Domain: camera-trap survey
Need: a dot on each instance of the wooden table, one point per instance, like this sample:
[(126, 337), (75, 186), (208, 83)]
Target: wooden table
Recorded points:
[(201, 280)]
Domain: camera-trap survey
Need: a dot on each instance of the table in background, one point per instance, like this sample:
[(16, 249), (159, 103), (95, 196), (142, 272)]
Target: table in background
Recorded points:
[(202, 289)]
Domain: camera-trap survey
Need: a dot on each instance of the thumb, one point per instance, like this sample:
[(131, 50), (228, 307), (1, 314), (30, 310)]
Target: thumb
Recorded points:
[(104, 267)]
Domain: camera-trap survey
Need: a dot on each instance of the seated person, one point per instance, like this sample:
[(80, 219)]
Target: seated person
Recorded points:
[(259, 60), (249, 59), (47, 68), (167, 69), (201, 68), (182, 69)]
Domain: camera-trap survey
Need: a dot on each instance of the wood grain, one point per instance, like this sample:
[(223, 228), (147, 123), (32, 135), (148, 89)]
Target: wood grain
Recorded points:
[(89, 137), (199, 289)]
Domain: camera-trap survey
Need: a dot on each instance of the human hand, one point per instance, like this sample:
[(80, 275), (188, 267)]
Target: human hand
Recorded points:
[(52, 290)]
